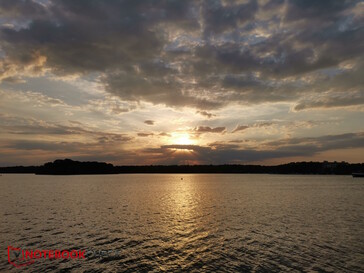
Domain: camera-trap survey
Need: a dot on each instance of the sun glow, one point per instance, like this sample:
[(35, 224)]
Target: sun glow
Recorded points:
[(182, 139)]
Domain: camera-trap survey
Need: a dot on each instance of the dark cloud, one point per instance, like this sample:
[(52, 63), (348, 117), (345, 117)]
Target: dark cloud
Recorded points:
[(22, 9), (165, 134), (214, 153), (323, 143), (27, 127), (47, 145), (169, 154), (330, 101), (149, 122), (223, 146), (158, 90), (240, 128), (283, 124), (342, 90), (221, 153), (207, 129), (219, 18), (324, 10), (264, 124), (145, 134), (13, 80), (201, 54), (21, 152), (206, 114)]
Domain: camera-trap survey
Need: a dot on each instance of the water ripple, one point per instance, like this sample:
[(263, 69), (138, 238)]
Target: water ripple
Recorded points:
[(203, 223)]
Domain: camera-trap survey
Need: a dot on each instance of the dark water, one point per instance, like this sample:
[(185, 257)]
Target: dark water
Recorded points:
[(203, 223)]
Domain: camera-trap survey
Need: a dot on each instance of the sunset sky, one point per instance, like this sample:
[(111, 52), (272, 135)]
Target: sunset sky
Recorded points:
[(181, 82)]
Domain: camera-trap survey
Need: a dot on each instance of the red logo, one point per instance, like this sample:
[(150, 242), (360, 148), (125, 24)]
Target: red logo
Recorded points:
[(16, 257), (21, 257)]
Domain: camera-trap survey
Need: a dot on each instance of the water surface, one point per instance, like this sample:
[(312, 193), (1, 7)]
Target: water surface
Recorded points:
[(201, 223)]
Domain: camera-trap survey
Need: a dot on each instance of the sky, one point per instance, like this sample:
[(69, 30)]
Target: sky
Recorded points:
[(181, 82)]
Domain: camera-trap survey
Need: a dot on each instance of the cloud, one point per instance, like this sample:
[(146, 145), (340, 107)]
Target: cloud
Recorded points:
[(323, 143), (12, 79), (268, 67), (331, 100), (214, 153), (22, 152), (222, 153), (219, 18), (206, 114), (207, 129), (283, 125), (22, 9), (167, 90), (145, 134), (169, 154), (149, 122), (46, 145), (29, 127), (322, 11), (240, 128), (200, 54), (165, 134)]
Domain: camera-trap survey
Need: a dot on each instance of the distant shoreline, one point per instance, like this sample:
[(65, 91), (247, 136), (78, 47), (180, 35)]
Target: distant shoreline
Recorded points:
[(79, 174), (71, 167)]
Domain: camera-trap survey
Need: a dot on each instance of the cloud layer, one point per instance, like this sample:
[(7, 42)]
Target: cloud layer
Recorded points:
[(201, 54), (131, 81)]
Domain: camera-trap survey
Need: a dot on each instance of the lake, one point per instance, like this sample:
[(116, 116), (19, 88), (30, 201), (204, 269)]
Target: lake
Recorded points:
[(185, 222)]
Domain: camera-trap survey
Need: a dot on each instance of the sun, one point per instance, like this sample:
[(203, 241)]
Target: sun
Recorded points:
[(182, 139)]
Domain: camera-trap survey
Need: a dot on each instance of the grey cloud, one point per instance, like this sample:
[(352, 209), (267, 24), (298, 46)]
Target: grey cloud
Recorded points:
[(13, 80), (205, 113), (145, 134), (167, 91), (201, 54), (107, 138), (218, 153), (317, 10), (22, 9), (219, 18), (342, 90), (22, 152), (223, 145), (207, 129), (323, 143), (149, 122), (46, 145), (331, 101), (26, 126), (284, 124), (168, 154), (118, 110), (240, 128), (263, 124), (215, 153)]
